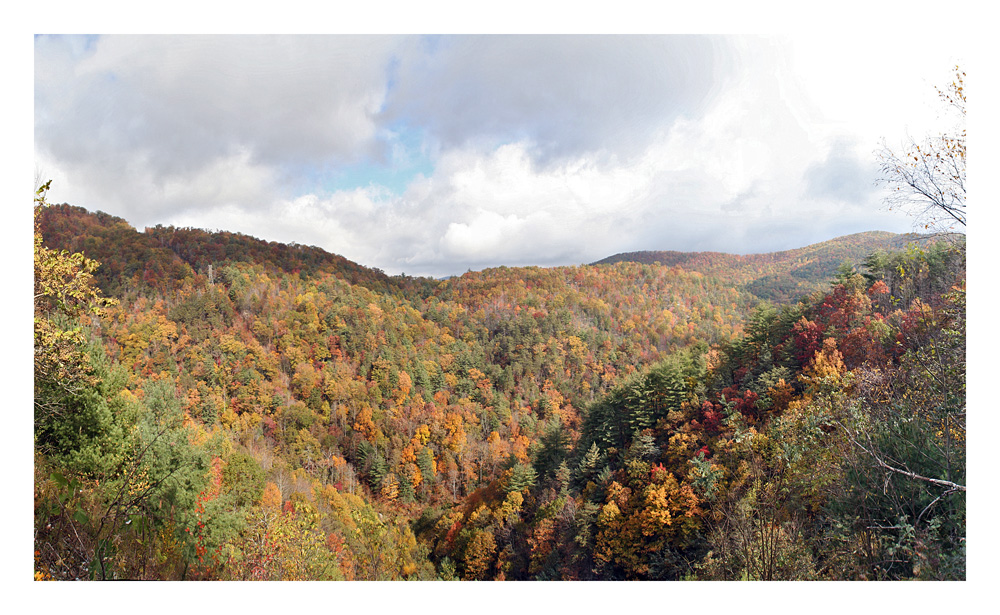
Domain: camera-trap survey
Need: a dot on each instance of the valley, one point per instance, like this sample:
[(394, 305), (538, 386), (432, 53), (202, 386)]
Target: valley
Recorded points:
[(248, 410)]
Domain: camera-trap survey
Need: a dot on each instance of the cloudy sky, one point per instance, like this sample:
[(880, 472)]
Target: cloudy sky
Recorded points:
[(432, 155)]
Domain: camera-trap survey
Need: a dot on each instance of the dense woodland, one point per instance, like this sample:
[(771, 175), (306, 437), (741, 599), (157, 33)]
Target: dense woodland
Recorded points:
[(212, 406)]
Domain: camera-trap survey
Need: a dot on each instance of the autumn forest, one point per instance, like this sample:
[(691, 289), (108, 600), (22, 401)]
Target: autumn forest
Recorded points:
[(210, 406)]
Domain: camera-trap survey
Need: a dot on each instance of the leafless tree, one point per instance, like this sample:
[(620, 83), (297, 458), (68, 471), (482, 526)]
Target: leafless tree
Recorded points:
[(928, 179)]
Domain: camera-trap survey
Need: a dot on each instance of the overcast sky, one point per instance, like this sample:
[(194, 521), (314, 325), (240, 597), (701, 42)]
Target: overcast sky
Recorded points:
[(432, 155)]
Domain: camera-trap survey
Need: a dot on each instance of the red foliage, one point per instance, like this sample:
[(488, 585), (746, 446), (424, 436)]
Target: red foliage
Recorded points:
[(808, 338), (711, 416), (747, 405), (746, 402), (858, 347), (335, 544), (453, 531), (270, 427), (657, 473), (840, 307), (915, 325), (878, 288)]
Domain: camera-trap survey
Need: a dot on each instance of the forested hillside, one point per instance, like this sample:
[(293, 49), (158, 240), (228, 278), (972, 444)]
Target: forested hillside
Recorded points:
[(161, 259), (780, 277), (212, 406)]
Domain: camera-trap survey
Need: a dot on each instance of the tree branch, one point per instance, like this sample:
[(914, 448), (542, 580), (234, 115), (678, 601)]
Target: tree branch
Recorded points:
[(935, 481)]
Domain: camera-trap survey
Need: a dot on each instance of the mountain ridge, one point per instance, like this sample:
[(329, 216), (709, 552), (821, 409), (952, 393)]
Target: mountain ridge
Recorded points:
[(666, 256), (782, 276), (171, 254)]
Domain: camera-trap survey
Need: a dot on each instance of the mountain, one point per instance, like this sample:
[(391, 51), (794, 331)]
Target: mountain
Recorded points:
[(780, 277), (166, 256)]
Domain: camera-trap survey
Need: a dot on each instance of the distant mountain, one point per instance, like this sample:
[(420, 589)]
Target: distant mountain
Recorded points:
[(776, 276), (163, 257)]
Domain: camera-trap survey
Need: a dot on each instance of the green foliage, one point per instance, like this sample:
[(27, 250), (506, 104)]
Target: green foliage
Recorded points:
[(910, 430), (520, 477), (646, 399), (553, 448), (243, 479), (85, 432), (204, 313)]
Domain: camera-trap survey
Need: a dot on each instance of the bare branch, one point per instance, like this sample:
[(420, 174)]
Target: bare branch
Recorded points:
[(943, 483), (931, 175)]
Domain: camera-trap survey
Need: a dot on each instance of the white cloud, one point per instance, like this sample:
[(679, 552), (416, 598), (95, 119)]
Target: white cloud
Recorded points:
[(535, 150), (486, 233), (169, 109)]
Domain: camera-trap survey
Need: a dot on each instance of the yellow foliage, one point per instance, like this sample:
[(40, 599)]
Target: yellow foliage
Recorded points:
[(609, 512), (519, 448), (390, 487), (510, 509), (479, 555), (422, 435), (481, 514), (681, 447), (403, 388), (657, 508), (827, 366), (272, 497), (228, 416), (618, 493), (456, 438), (416, 477)]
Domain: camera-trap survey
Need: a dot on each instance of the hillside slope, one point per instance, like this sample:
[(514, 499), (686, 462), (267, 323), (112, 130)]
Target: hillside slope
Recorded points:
[(521, 423), (780, 277), (163, 257)]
